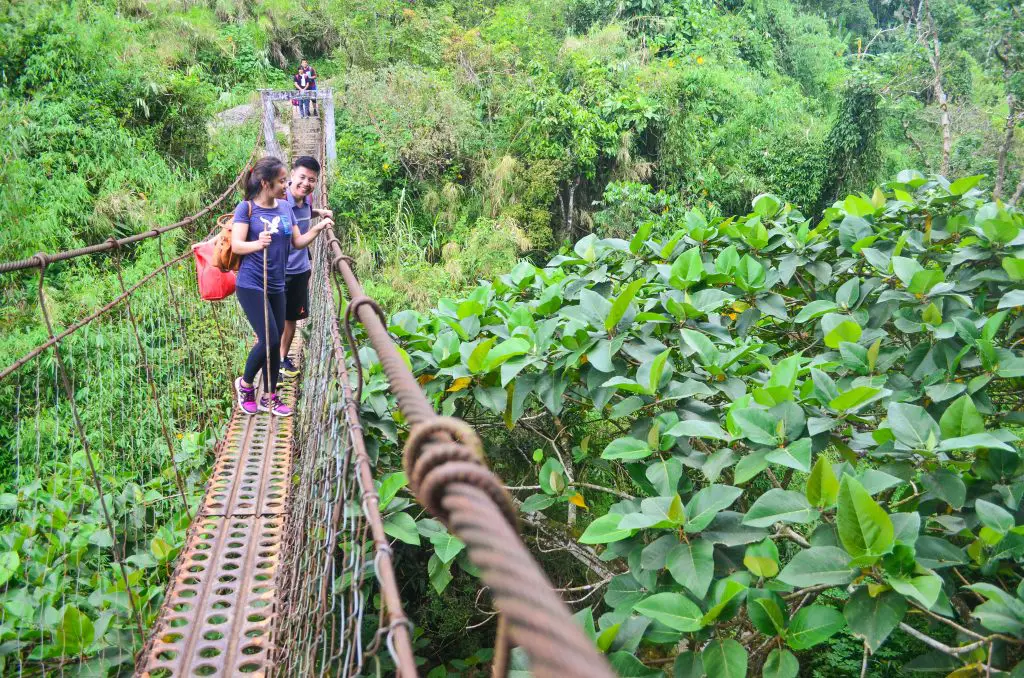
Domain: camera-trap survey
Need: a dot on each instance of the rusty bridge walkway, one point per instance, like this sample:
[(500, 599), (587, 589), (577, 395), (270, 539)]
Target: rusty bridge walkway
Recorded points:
[(220, 610), (286, 569)]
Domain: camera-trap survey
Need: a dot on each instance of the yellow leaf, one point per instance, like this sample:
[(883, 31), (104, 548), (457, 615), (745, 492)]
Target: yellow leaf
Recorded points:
[(584, 359), (425, 379), (578, 500), (459, 384), (874, 590)]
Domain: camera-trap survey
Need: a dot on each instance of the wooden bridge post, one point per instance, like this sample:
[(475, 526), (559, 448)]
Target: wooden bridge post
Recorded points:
[(269, 136), (330, 143)]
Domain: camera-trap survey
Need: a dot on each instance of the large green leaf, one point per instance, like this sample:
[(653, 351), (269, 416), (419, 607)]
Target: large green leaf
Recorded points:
[(796, 455), (506, 350), (838, 328), (777, 505), (688, 665), (874, 618), (854, 398), (439, 573), (705, 505), (74, 632), (693, 565), (994, 516), (724, 659), (812, 625), (781, 663), (913, 426), (865, 529), (924, 587), (9, 564), (816, 566), (961, 418), (627, 449), (687, 269), (697, 428), (815, 309), (822, 484), (674, 610), (604, 530), (390, 485), (621, 304), (725, 599), (446, 546), (552, 476), (762, 559), (664, 474), (765, 611), (402, 526), (757, 426), (626, 665)]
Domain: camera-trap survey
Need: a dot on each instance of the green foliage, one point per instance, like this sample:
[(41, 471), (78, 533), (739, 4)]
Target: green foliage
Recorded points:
[(864, 367)]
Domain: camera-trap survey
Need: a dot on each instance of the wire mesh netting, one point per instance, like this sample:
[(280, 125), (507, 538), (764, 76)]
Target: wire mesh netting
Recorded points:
[(331, 560), (105, 438)]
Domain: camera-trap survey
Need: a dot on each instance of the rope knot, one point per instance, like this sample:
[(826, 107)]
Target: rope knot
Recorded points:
[(445, 450), (42, 259), (114, 243), (338, 258)]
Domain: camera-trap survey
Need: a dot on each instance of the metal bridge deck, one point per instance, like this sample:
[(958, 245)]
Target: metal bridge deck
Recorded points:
[(217, 618)]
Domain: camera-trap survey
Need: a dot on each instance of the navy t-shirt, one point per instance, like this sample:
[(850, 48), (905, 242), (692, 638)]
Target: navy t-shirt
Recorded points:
[(298, 260), (278, 220)]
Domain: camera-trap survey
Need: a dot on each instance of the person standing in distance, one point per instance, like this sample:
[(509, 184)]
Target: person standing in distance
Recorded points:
[(311, 82), (305, 174), (302, 87)]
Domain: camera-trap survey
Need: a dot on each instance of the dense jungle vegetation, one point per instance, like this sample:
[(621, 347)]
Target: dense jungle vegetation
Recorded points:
[(732, 290)]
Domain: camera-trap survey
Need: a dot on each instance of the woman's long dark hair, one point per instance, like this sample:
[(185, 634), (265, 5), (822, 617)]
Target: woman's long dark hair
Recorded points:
[(266, 169)]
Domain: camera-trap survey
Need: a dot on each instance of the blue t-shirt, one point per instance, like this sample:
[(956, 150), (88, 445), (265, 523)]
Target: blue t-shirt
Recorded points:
[(298, 260), (278, 220)]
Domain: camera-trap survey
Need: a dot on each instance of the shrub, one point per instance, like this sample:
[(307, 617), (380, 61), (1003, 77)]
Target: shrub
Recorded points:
[(772, 431)]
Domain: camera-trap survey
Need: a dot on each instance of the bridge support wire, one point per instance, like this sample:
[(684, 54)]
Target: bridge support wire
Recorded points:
[(334, 537), (444, 462)]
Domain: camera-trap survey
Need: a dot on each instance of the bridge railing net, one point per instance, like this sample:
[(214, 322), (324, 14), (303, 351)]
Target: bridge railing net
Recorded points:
[(108, 420), (335, 552)]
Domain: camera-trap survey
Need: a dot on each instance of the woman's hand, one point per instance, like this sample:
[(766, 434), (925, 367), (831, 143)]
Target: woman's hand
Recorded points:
[(264, 240)]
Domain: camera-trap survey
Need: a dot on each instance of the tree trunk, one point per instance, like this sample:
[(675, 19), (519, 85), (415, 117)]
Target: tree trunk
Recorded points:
[(1020, 190), (567, 204), (1011, 121), (1004, 148), (935, 56)]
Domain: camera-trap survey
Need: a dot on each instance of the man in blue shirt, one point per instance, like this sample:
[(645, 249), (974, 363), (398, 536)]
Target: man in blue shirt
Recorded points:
[(305, 173)]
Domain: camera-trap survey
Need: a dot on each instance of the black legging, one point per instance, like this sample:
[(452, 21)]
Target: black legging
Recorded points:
[(251, 302)]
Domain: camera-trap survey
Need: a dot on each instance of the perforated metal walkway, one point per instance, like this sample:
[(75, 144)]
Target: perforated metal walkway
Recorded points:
[(217, 619)]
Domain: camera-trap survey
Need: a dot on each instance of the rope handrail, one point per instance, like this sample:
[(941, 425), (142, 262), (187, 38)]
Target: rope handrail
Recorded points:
[(42, 258), (444, 462)]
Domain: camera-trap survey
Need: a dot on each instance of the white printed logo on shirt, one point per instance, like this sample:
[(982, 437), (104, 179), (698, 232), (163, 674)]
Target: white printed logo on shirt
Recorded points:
[(272, 226)]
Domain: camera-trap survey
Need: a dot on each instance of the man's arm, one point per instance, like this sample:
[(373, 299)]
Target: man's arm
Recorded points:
[(322, 213), (301, 241)]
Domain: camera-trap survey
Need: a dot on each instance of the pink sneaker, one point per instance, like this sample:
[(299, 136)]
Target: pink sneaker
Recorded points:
[(246, 397), (273, 404)]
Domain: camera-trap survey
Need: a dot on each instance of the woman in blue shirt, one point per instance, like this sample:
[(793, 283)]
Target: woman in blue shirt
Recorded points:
[(261, 233)]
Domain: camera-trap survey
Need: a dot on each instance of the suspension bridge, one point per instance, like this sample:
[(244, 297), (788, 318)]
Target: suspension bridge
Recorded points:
[(110, 416)]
